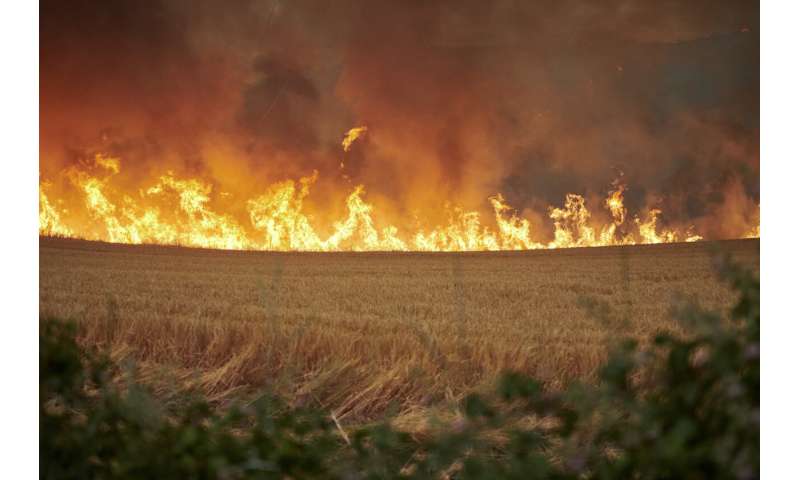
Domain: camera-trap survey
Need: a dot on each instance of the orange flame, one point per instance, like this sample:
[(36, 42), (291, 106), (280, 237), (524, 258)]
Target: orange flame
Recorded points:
[(50, 217), (179, 211), (755, 231), (351, 136)]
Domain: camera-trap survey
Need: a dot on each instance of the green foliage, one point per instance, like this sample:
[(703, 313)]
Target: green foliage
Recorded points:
[(677, 407)]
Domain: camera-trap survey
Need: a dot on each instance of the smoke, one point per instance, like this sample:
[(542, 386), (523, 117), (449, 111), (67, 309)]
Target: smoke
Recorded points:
[(462, 99)]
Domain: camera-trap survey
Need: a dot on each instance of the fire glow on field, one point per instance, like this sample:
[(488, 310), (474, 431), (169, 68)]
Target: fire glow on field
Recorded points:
[(278, 220)]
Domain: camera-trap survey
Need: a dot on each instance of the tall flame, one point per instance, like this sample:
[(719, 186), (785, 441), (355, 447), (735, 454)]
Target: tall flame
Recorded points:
[(49, 217), (179, 211)]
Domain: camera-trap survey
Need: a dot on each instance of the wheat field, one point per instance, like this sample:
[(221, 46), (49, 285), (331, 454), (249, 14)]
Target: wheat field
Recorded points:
[(362, 334)]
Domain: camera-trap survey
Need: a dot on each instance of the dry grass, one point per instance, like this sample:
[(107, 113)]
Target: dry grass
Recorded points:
[(361, 334)]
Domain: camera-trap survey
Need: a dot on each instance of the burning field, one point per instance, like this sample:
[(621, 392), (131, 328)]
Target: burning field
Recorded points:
[(177, 211), (399, 239), (323, 198), (295, 126)]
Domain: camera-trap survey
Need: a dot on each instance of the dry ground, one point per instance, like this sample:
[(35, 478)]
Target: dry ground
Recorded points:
[(363, 333)]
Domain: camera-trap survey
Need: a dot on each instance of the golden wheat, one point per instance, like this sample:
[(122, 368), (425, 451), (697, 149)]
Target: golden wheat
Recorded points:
[(363, 333)]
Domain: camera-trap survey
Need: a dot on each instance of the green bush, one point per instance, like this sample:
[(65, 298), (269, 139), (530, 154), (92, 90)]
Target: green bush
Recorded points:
[(678, 407)]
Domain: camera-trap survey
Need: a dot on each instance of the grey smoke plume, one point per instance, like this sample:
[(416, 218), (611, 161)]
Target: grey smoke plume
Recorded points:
[(463, 99)]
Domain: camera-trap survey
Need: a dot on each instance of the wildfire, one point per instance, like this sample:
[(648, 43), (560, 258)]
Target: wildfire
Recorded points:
[(755, 231), (351, 136), (179, 211), (49, 217)]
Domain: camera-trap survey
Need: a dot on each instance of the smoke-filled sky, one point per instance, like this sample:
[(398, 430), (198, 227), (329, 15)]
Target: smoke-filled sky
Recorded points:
[(462, 99)]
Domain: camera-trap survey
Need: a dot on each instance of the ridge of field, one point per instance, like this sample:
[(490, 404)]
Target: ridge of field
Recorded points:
[(364, 333)]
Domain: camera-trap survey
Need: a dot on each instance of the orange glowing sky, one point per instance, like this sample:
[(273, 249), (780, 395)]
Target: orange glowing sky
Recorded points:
[(399, 126)]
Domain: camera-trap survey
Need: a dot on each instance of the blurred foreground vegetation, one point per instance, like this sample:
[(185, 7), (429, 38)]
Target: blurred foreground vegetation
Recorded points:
[(676, 407)]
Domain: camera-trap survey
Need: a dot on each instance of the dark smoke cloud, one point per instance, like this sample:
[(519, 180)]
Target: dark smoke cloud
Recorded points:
[(531, 98), (281, 106)]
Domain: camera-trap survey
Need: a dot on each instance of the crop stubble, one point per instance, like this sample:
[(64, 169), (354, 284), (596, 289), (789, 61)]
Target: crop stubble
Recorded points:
[(361, 333)]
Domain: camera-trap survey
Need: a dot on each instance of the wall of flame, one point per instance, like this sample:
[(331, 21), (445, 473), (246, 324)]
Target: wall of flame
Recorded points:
[(402, 126)]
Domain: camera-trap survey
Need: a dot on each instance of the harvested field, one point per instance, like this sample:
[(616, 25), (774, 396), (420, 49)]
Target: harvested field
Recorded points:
[(360, 333)]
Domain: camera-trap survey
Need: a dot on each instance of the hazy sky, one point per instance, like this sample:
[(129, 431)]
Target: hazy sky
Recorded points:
[(463, 99)]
